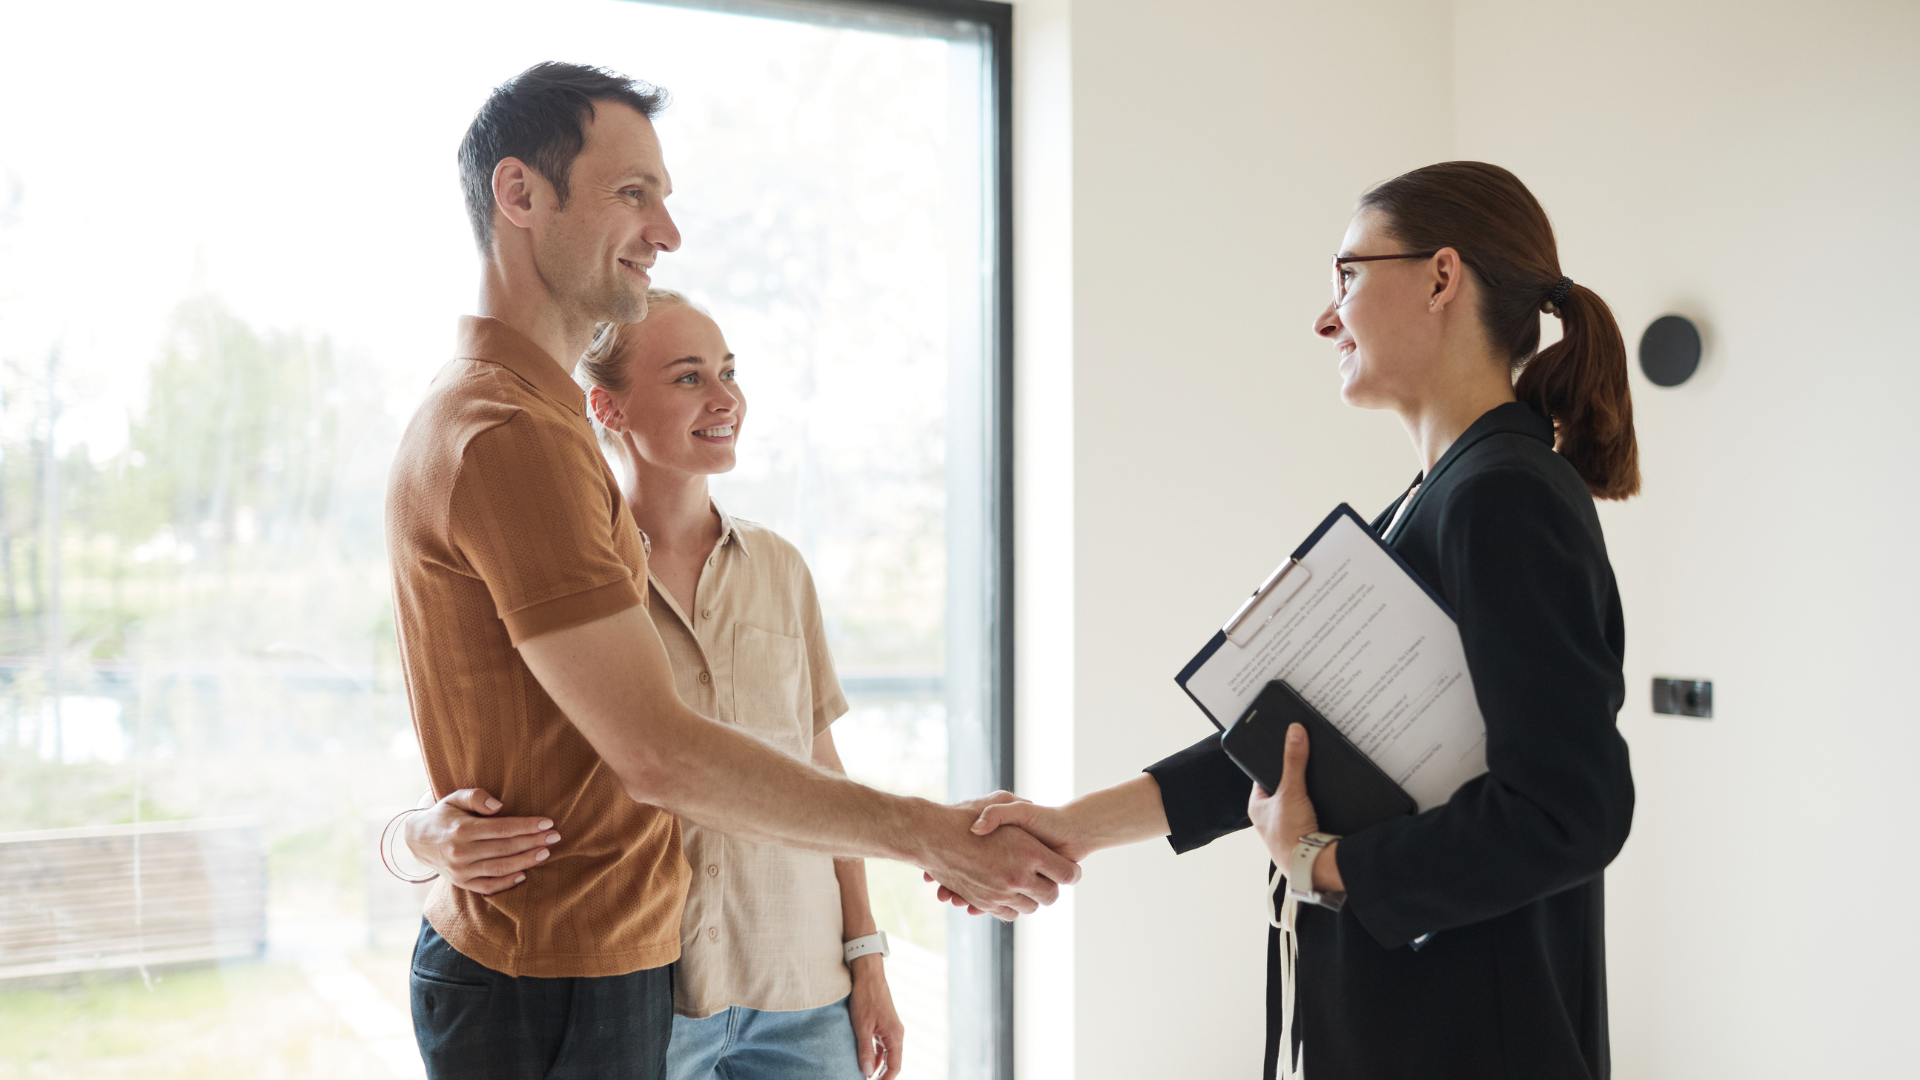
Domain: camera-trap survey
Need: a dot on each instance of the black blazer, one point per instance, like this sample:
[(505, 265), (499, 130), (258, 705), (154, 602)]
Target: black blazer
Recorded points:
[(1506, 874)]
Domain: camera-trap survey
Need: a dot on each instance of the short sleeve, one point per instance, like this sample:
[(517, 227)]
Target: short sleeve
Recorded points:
[(535, 518), (829, 700)]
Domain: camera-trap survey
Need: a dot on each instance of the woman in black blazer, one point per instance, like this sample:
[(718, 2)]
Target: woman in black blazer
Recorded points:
[(1464, 941)]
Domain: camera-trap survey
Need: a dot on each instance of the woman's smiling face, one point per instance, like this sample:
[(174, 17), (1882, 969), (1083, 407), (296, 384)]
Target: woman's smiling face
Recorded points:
[(683, 408), (1383, 327)]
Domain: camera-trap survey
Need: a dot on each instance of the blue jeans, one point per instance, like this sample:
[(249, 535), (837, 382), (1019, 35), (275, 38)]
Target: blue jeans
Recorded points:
[(748, 1044), (473, 1023)]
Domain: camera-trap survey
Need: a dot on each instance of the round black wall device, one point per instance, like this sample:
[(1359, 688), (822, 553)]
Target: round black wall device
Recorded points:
[(1670, 350)]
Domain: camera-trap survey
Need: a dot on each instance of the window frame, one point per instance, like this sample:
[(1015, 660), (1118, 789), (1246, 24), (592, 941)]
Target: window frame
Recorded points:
[(996, 19)]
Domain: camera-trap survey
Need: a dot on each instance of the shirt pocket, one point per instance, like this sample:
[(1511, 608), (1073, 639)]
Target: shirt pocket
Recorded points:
[(770, 696)]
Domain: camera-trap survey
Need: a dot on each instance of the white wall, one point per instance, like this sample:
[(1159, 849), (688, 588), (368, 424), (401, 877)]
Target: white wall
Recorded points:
[(1207, 155), (1752, 166), (1749, 165)]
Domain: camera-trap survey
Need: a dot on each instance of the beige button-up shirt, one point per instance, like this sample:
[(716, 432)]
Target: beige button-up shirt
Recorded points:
[(762, 923)]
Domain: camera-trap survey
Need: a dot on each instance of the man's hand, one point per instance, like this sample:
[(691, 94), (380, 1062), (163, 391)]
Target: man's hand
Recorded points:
[(1051, 825), (460, 837), (1284, 817), (1003, 874), (877, 1032), (1126, 813)]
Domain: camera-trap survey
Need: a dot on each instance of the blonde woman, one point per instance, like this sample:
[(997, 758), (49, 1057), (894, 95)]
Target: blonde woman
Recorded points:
[(781, 972)]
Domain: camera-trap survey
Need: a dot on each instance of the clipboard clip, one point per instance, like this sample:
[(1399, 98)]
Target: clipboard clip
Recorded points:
[(1266, 601)]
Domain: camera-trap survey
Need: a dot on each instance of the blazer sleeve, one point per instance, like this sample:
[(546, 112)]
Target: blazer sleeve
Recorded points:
[(1540, 620), (1204, 794)]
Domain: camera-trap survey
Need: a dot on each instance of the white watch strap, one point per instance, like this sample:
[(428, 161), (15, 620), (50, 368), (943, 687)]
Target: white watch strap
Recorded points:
[(863, 946), (1300, 871)]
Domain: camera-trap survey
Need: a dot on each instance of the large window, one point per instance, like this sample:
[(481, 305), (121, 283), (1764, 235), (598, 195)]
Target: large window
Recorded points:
[(231, 254)]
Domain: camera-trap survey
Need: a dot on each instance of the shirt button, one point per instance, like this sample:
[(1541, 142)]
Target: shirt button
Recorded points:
[(713, 871), (705, 678), (707, 614), (713, 933)]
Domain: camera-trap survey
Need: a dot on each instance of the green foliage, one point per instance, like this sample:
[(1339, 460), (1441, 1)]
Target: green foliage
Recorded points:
[(252, 452), (240, 431), (37, 794), (221, 576)]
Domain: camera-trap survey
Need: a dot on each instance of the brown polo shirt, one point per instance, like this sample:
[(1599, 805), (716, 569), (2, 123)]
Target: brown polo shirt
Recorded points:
[(503, 523)]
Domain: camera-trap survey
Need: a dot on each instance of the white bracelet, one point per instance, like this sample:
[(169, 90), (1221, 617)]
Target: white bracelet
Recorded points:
[(1300, 872), (393, 856), (864, 946)]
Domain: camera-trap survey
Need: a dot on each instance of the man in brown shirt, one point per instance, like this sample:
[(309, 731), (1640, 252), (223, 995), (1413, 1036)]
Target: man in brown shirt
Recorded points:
[(532, 669)]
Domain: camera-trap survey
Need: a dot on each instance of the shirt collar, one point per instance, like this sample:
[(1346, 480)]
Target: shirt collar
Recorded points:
[(482, 338), (729, 534)]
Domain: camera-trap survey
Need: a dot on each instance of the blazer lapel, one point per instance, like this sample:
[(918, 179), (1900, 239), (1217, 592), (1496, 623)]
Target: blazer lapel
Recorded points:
[(1516, 417)]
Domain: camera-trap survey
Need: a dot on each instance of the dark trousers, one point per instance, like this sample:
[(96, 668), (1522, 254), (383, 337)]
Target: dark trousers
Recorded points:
[(473, 1023)]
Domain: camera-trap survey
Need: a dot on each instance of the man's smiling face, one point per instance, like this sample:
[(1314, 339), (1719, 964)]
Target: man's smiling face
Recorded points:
[(594, 253)]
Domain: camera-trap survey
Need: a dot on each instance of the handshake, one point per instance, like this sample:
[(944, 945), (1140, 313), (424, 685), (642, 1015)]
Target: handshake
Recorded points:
[(1042, 845), (997, 855), (1010, 859)]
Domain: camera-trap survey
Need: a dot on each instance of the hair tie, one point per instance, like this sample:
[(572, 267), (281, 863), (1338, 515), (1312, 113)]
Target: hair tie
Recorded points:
[(1559, 295)]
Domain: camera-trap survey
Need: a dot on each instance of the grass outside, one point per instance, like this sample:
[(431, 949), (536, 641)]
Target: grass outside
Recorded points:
[(253, 1020)]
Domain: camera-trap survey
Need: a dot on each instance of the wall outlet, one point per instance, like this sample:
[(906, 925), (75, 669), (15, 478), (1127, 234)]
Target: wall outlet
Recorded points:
[(1683, 697)]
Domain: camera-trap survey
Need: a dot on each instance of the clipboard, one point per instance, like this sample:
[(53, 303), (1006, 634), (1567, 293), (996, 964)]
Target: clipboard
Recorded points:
[(1350, 627), (1279, 587)]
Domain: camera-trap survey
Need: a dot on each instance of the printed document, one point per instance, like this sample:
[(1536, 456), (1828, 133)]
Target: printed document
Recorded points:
[(1364, 641)]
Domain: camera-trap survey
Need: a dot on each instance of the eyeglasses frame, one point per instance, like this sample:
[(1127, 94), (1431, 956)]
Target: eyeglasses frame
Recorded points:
[(1340, 290)]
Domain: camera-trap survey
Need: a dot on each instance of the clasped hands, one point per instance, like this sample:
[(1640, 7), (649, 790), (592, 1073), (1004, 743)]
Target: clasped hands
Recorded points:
[(1133, 811), (997, 855), (1002, 872)]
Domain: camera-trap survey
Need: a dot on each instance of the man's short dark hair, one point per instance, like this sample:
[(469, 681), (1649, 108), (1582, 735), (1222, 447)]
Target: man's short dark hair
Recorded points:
[(540, 116)]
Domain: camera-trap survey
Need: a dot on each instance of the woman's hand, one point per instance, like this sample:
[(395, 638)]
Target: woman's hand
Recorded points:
[(1051, 825), (1284, 817), (1126, 813), (984, 824), (460, 837), (1063, 828), (877, 1032)]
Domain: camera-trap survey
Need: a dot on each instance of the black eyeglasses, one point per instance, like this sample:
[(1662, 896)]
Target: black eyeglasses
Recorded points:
[(1340, 280)]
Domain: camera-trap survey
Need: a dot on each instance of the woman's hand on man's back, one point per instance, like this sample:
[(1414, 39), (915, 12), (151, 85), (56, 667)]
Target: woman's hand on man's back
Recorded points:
[(461, 838)]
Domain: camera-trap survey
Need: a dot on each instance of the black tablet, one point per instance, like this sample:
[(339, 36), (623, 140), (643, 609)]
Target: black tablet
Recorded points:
[(1348, 790)]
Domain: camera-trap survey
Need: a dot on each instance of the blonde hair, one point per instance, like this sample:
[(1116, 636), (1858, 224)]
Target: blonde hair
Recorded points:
[(602, 364)]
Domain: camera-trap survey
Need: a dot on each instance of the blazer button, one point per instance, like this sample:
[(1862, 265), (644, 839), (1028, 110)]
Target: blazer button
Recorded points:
[(707, 614), (713, 871), (705, 678), (713, 933)]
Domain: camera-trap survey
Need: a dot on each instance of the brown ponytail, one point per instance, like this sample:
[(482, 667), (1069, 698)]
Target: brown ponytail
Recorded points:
[(1486, 214)]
